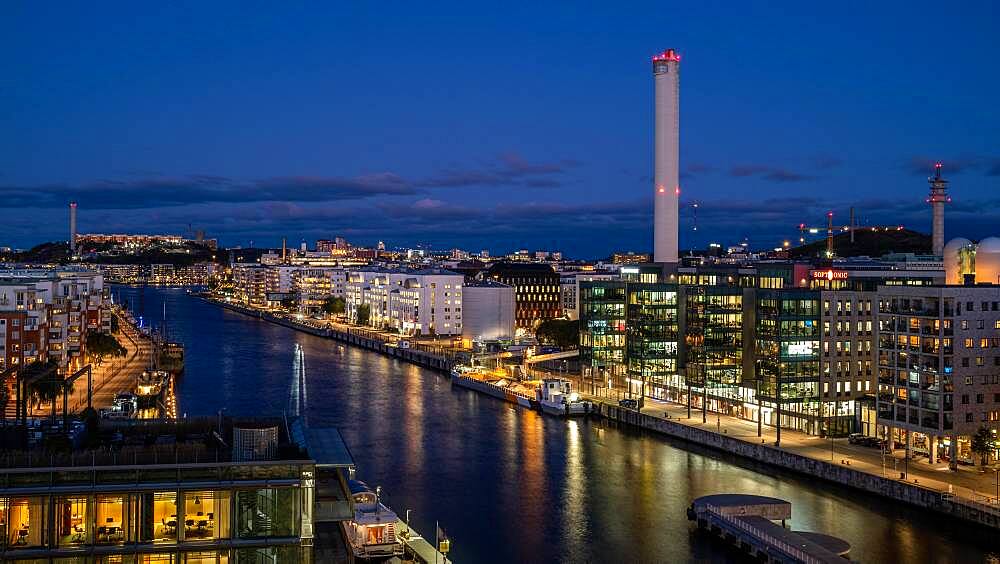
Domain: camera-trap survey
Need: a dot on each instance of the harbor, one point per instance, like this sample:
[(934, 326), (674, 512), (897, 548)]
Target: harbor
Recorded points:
[(507, 385), (426, 441)]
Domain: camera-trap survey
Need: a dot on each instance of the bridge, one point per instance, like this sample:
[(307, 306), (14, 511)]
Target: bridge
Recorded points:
[(552, 356)]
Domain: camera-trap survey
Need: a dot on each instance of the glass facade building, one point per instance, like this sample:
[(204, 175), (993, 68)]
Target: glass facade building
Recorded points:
[(628, 338), (180, 502)]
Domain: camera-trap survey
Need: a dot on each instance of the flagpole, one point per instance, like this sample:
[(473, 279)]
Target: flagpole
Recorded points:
[(436, 541)]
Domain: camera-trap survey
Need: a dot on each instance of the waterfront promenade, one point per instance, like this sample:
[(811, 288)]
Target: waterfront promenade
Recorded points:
[(114, 375)]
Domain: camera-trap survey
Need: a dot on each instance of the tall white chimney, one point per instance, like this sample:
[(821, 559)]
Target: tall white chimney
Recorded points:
[(72, 228), (666, 172)]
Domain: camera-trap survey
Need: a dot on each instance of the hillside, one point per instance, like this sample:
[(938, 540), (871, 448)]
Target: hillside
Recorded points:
[(868, 243)]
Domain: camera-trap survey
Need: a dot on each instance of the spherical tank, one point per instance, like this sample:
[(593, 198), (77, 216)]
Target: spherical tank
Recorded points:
[(957, 260), (988, 260)]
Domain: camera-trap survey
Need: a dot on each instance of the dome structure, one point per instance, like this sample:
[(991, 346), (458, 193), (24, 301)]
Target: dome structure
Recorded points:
[(959, 260), (988, 260)]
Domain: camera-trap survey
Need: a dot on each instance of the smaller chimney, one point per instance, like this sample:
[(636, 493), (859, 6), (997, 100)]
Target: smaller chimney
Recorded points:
[(72, 228)]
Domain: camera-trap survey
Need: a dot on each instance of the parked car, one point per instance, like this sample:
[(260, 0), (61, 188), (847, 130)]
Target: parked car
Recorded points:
[(629, 403), (863, 440)]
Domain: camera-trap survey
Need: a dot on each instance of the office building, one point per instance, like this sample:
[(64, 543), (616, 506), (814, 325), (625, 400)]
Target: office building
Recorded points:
[(216, 490), (536, 291)]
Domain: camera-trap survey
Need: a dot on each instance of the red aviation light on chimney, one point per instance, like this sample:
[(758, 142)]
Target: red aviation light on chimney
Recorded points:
[(661, 190), (677, 191), (668, 55)]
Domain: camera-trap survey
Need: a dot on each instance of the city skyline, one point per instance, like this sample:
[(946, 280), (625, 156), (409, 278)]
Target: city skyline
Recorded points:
[(499, 131)]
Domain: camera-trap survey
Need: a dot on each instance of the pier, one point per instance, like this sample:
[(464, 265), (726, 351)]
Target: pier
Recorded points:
[(747, 522)]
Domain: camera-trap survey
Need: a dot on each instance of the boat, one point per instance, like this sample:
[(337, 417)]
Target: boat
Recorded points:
[(124, 406), (150, 386), (555, 398), (371, 534), (493, 384)]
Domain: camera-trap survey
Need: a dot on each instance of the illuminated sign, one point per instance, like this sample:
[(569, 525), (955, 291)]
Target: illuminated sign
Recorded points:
[(630, 270), (828, 274)]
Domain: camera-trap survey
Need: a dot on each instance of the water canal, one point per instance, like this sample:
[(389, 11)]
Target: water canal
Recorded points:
[(509, 485)]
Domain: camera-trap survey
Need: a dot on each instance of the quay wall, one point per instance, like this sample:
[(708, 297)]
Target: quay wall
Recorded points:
[(358, 337), (913, 494)]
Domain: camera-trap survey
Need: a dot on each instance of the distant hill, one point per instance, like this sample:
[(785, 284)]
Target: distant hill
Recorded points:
[(868, 243), (58, 252), (45, 253)]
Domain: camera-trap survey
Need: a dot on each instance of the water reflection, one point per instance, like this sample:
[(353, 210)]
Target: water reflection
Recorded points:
[(510, 485)]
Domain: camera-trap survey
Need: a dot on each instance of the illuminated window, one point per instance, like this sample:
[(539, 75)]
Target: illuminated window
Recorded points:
[(206, 515), (26, 522), (110, 519)]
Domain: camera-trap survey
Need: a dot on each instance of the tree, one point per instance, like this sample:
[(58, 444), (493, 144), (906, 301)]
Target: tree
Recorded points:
[(290, 302), (982, 444), (101, 345), (364, 314), (563, 333), (334, 305), (45, 384)]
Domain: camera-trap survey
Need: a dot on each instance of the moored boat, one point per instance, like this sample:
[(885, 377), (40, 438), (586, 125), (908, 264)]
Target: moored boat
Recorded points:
[(555, 398), (493, 384), (371, 534)]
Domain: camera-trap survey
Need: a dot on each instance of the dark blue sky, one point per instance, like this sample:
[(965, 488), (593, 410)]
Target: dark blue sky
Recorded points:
[(495, 125)]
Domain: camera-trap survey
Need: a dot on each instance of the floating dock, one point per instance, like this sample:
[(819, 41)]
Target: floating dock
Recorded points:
[(748, 522)]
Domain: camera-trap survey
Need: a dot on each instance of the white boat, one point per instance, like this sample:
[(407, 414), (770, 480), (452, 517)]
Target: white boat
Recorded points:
[(555, 398), (372, 532)]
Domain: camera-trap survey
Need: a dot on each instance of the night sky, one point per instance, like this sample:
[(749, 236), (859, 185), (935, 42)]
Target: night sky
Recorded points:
[(495, 126)]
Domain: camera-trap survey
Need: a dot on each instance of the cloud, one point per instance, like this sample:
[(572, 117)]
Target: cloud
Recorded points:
[(164, 191), (826, 162), (767, 172), (924, 166), (509, 169), (692, 170)]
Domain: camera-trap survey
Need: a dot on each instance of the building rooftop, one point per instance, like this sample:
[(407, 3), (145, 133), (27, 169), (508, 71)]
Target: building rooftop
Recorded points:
[(486, 284), (169, 442)]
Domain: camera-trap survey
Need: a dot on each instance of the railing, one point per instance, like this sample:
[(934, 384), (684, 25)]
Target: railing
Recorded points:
[(781, 545)]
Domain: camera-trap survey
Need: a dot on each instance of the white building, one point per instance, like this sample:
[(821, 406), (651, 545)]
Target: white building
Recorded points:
[(487, 310), (413, 302)]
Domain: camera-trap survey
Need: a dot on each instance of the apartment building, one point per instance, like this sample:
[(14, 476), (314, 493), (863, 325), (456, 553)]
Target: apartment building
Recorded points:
[(314, 285), (413, 302), (250, 284), (939, 368), (45, 314)]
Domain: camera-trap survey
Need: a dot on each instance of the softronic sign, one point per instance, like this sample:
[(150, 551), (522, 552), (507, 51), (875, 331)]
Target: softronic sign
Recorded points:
[(828, 274)]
